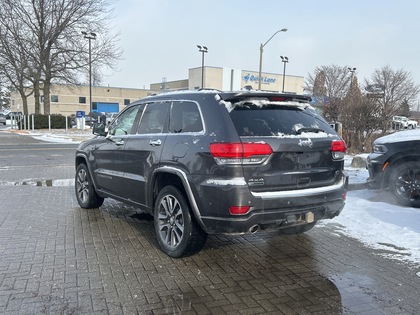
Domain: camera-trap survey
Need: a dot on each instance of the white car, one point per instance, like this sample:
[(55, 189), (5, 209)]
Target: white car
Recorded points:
[(402, 122)]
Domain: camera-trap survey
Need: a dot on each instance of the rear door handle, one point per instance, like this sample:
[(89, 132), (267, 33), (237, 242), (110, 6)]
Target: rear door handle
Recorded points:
[(155, 142)]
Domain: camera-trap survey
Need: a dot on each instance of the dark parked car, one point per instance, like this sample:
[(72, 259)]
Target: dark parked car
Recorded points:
[(394, 164), (216, 162)]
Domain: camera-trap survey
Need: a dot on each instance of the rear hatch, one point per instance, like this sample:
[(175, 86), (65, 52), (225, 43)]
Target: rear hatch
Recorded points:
[(305, 151)]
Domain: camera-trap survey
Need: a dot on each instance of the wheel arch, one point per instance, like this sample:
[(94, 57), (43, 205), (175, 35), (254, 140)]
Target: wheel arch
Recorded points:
[(82, 159), (395, 161), (166, 175)]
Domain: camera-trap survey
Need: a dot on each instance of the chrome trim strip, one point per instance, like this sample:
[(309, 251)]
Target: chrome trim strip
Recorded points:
[(188, 190), (301, 192)]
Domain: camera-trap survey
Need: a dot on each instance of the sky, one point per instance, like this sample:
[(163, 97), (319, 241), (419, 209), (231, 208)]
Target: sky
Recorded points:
[(159, 37)]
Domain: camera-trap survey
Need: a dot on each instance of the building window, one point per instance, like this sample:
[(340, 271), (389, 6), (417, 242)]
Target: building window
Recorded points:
[(126, 101), (94, 106), (41, 98), (82, 99), (54, 98)]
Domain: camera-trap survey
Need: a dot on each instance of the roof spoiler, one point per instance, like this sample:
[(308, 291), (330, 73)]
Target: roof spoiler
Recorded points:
[(235, 97)]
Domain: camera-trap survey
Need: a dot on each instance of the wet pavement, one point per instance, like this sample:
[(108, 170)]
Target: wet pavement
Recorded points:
[(56, 258)]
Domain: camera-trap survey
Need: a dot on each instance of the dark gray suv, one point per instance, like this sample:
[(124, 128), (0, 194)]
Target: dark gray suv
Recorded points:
[(216, 162)]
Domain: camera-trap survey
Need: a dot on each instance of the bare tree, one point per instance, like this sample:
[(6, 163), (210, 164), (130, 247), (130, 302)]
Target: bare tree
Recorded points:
[(398, 87), (359, 115), (328, 85), (14, 56), (57, 49)]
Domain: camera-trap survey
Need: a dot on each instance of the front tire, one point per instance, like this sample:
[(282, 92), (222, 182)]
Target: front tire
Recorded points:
[(176, 229), (85, 191), (404, 183)]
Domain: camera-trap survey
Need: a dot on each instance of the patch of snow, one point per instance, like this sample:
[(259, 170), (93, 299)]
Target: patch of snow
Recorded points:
[(52, 138), (226, 182), (404, 135), (380, 225)]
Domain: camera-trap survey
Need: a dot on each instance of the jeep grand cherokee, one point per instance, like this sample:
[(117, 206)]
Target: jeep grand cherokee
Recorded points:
[(216, 162)]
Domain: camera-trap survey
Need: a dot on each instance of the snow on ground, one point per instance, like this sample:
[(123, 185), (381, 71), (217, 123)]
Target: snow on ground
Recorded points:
[(370, 216), (375, 219)]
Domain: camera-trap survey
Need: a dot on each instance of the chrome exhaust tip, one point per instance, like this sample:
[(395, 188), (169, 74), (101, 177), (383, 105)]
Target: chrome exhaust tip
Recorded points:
[(253, 229)]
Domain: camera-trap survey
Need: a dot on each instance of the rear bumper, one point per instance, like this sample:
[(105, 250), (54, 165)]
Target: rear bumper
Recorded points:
[(270, 210)]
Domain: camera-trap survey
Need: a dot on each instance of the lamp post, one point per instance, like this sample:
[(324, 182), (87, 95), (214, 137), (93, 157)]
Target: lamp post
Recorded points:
[(90, 36), (352, 70), (285, 60), (203, 50), (261, 52)]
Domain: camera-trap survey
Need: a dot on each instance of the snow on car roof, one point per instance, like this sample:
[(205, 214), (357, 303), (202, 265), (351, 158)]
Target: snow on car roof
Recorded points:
[(400, 136)]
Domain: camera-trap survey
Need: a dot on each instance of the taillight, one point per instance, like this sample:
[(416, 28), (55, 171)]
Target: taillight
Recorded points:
[(338, 148), (240, 153)]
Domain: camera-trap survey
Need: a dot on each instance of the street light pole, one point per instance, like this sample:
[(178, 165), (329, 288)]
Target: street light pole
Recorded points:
[(285, 60), (261, 52), (203, 50), (90, 36), (352, 70)]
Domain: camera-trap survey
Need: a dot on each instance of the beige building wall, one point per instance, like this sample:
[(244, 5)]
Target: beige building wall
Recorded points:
[(227, 79), (67, 99), (273, 82), (169, 85)]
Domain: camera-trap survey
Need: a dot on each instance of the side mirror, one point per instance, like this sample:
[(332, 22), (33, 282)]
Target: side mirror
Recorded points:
[(99, 129)]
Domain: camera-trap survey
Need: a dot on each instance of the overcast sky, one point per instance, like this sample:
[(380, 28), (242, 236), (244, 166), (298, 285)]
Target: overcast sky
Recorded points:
[(159, 37)]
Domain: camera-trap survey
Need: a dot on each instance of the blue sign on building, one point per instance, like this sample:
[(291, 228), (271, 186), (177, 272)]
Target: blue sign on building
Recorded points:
[(80, 114)]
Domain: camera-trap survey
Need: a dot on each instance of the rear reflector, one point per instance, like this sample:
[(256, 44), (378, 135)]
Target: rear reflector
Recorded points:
[(239, 209), (240, 153)]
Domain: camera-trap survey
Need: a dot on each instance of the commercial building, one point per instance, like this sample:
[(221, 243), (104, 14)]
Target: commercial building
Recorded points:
[(227, 79), (68, 99)]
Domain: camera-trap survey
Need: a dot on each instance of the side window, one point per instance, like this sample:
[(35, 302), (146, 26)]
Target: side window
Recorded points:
[(154, 118), (123, 124), (185, 117)]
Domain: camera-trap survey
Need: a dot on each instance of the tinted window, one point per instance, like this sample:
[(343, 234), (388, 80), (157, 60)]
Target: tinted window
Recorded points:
[(185, 117), (275, 120), (154, 118)]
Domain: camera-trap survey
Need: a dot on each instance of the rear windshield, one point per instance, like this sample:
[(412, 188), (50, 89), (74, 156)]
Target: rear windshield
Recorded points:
[(277, 120)]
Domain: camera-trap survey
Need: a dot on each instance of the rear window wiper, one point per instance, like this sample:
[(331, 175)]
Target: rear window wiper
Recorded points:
[(316, 130)]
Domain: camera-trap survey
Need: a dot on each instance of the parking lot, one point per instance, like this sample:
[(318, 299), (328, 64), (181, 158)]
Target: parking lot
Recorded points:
[(56, 258)]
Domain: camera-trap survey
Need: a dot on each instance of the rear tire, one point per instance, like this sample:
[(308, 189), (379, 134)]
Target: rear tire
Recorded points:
[(404, 184), (176, 229), (298, 229), (85, 191)]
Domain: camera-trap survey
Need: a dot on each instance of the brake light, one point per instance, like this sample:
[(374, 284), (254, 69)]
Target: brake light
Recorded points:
[(240, 153), (338, 148), (278, 99)]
